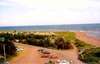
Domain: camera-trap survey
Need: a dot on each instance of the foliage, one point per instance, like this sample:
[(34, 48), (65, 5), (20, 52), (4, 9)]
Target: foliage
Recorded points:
[(1, 60), (61, 44), (62, 40), (50, 62), (82, 45), (19, 36), (7, 36), (6, 40), (91, 56)]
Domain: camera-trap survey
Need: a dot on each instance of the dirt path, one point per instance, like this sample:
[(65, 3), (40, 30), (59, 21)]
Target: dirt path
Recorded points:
[(30, 55), (71, 55), (90, 40)]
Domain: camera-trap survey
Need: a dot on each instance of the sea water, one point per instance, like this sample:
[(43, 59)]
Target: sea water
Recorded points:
[(95, 34)]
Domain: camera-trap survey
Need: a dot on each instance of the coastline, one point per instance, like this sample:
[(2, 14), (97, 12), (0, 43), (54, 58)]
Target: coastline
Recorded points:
[(88, 39)]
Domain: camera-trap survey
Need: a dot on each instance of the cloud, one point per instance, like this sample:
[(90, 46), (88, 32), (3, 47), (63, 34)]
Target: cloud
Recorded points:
[(26, 12), (6, 3), (78, 4)]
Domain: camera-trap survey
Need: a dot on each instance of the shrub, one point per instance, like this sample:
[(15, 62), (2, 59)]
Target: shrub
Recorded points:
[(1, 60), (91, 56), (82, 45), (61, 44), (10, 48)]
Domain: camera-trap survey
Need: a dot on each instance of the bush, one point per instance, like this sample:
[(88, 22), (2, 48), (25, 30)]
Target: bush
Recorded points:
[(59, 41), (91, 56), (1, 60), (82, 45), (61, 44), (10, 48)]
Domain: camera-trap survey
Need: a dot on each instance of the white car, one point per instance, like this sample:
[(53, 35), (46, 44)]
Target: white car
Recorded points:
[(64, 62), (19, 49)]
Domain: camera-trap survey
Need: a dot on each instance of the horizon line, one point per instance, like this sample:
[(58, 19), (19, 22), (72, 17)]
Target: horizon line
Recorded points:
[(46, 24)]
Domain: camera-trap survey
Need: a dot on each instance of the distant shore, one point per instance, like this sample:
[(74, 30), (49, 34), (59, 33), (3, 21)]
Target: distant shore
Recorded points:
[(88, 39)]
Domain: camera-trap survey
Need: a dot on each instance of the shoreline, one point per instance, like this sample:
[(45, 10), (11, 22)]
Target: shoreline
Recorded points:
[(88, 39)]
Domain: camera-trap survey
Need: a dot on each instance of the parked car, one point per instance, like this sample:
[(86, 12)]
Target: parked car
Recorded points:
[(63, 62), (19, 49)]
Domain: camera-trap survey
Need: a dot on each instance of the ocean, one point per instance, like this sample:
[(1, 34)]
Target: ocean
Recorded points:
[(91, 29), (95, 34)]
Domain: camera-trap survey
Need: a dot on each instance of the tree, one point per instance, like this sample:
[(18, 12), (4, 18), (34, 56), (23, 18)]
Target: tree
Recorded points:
[(59, 43), (10, 48)]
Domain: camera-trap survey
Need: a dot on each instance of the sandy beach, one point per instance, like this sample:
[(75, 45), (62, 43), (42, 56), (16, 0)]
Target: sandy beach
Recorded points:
[(88, 39)]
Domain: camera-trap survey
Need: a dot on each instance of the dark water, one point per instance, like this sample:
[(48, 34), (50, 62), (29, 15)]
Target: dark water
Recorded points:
[(91, 29)]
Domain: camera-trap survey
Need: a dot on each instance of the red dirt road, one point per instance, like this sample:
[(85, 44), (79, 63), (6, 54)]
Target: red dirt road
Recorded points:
[(30, 55)]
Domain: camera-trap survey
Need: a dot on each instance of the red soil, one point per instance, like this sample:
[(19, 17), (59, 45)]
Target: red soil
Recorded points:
[(30, 55), (88, 39)]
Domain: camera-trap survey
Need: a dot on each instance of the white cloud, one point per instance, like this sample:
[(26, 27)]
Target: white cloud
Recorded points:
[(79, 4), (30, 12), (4, 3)]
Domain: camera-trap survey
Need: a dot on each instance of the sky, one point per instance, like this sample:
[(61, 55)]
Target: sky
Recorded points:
[(48, 12)]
